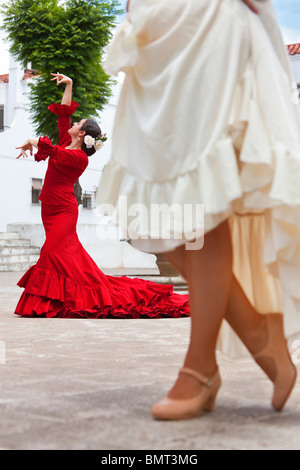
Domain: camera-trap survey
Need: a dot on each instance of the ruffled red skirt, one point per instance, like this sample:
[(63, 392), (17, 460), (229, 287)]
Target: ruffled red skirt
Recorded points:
[(67, 283)]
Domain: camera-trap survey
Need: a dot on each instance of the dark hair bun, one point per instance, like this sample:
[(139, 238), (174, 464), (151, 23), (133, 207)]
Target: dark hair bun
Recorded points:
[(91, 128)]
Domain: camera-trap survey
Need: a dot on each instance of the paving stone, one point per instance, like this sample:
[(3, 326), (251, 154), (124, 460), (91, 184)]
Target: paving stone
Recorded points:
[(70, 384)]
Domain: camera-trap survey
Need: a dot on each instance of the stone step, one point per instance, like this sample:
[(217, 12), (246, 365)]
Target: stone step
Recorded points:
[(165, 267), (14, 242), (16, 267), (9, 235), (16, 253), (179, 284), (17, 259), (19, 250)]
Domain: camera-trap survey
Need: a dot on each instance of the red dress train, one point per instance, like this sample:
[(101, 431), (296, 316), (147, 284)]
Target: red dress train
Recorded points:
[(66, 282)]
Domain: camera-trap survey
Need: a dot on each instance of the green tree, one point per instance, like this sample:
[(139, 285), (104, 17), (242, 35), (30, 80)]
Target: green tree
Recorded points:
[(67, 37)]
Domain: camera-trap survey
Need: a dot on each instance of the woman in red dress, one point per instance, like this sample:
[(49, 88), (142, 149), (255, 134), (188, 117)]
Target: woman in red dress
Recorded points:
[(66, 282)]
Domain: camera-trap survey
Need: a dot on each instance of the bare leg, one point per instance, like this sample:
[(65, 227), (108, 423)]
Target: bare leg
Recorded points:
[(248, 324), (209, 275), (263, 335)]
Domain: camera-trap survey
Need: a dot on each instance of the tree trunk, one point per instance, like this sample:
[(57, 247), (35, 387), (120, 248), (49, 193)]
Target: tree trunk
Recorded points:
[(78, 192)]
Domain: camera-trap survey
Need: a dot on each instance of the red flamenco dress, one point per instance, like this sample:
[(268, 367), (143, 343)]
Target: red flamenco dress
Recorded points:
[(66, 282)]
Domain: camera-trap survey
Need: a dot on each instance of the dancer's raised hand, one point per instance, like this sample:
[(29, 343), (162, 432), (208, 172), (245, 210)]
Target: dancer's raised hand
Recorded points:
[(61, 78), (27, 146)]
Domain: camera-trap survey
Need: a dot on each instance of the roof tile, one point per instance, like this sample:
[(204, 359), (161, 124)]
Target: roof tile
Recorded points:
[(4, 78), (294, 49)]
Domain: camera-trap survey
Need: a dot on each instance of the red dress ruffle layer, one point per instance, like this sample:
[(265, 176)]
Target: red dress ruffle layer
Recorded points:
[(49, 294)]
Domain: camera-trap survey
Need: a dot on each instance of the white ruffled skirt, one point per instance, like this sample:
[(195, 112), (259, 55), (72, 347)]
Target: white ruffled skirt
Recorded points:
[(207, 118)]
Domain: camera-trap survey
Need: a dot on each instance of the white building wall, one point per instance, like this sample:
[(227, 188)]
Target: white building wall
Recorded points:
[(295, 64)]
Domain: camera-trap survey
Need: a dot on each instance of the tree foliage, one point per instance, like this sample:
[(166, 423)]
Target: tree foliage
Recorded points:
[(67, 37)]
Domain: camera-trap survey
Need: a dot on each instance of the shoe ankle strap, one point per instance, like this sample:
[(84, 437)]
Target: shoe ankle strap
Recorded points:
[(203, 380)]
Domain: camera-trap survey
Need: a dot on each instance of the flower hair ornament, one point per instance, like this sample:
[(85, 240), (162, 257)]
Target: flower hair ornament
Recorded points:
[(96, 143)]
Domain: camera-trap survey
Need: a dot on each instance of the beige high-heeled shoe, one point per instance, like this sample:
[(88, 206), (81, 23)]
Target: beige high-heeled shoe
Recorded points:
[(177, 409), (276, 362)]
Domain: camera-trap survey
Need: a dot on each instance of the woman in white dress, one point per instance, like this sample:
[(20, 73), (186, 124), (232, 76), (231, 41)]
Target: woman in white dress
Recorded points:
[(206, 120)]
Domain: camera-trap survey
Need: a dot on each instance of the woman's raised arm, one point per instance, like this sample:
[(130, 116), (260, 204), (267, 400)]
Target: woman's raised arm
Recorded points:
[(67, 96)]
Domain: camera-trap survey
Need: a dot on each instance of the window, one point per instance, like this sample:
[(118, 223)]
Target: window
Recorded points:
[(36, 188), (88, 199), (1, 117)]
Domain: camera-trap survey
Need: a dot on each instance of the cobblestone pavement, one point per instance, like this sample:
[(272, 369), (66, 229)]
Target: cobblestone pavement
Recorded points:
[(90, 385)]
